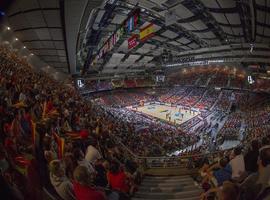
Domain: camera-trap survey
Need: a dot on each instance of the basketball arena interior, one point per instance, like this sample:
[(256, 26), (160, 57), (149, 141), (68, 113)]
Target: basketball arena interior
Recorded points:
[(134, 99)]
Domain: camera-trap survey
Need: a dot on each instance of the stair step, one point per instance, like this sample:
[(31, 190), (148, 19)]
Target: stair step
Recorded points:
[(168, 188), (166, 177), (190, 180), (176, 188), (172, 178), (168, 195), (161, 184), (188, 198)]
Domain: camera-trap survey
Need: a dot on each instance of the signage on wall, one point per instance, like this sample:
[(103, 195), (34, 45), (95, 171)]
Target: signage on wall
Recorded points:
[(80, 83)]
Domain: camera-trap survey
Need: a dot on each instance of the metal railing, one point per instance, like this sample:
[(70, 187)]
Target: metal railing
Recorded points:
[(182, 161)]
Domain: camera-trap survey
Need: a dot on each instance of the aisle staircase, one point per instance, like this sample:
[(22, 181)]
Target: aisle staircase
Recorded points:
[(216, 102), (168, 188), (208, 81)]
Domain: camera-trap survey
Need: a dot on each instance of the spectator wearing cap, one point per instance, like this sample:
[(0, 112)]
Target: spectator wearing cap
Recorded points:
[(60, 182)]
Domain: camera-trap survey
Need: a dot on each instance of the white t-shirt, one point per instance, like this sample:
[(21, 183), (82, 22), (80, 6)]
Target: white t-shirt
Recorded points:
[(22, 97), (238, 166), (92, 154), (88, 165)]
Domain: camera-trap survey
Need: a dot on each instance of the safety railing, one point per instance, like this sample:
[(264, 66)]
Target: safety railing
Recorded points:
[(182, 161)]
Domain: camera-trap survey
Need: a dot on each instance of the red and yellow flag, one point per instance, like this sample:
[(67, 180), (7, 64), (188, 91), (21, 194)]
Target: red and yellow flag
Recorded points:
[(20, 104), (48, 110), (146, 32)]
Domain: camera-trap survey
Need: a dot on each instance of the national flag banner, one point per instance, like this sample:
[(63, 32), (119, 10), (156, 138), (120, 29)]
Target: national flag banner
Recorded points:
[(61, 148), (132, 42), (60, 145), (130, 24), (119, 33), (146, 32), (20, 104), (49, 111), (136, 19), (44, 110), (113, 40)]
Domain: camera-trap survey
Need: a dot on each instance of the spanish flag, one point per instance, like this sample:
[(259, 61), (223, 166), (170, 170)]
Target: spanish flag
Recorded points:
[(146, 32), (44, 110), (73, 135), (48, 110), (82, 134), (61, 147), (19, 105)]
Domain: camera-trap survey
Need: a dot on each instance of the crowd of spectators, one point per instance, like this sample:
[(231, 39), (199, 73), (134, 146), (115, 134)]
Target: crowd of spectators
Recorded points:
[(231, 128), (193, 97), (242, 173), (208, 100), (175, 95), (147, 136), (225, 100), (237, 82), (219, 80), (52, 138)]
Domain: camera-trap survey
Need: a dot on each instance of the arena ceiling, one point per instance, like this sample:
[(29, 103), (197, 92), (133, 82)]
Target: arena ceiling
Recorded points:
[(227, 30)]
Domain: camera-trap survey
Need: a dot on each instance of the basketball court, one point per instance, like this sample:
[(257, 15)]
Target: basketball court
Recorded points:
[(175, 115)]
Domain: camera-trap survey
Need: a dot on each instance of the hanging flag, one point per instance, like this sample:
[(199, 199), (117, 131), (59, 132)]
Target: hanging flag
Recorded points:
[(146, 32), (130, 24), (119, 33), (19, 105), (60, 145), (132, 42), (49, 110), (136, 19), (44, 110), (61, 148), (113, 40)]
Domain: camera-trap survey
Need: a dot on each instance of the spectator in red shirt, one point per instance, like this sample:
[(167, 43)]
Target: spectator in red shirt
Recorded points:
[(83, 187), (117, 178)]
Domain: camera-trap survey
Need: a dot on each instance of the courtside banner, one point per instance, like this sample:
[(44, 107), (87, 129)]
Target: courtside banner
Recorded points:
[(132, 42), (146, 32)]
